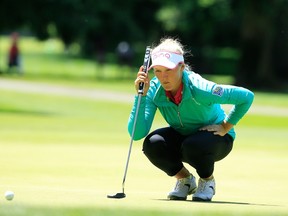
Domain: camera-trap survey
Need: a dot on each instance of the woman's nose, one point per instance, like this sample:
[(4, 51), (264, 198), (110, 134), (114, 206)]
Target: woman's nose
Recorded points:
[(164, 74)]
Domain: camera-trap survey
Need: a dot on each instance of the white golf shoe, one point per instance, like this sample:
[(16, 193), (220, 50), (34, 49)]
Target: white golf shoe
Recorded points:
[(183, 188), (205, 190)]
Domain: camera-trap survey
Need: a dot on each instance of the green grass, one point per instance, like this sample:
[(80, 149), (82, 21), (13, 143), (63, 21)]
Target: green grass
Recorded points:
[(48, 61), (63, 155)]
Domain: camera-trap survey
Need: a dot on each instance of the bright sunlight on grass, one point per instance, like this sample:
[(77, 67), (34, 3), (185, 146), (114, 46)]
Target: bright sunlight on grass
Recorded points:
[(62, 154)]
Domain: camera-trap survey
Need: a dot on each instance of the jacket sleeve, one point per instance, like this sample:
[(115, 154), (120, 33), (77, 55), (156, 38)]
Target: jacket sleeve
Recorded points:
[(241, 98), (145, 117), (209, 93)]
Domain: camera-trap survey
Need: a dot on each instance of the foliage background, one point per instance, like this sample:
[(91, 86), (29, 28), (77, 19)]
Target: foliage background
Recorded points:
[(245, 39), (63, 151)]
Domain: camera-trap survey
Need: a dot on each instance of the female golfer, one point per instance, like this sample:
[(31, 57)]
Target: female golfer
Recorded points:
[(199, 132)]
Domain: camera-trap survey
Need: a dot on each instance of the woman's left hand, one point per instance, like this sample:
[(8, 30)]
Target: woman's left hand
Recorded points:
[(218, 129)]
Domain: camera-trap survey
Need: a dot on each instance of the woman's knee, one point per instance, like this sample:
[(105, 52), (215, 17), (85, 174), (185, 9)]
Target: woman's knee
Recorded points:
[(153, 145)]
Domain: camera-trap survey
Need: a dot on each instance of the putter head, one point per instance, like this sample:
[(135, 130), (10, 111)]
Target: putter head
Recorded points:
[(117, 196)]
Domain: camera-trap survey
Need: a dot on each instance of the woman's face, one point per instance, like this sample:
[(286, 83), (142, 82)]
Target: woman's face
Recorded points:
[(170, 79)]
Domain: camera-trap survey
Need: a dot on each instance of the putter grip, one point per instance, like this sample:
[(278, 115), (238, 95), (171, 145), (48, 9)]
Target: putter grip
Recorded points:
[(145, 69)]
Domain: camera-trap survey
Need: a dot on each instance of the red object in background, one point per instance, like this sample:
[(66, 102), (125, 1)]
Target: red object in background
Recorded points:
[(14, 51)]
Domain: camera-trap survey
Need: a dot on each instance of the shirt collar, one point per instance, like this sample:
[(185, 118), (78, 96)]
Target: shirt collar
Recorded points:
[(178, 96)]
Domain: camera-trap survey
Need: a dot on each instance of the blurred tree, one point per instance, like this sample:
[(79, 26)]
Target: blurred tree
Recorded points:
[(203, 25), (264, 51), (280, 48), (11, 15), (257, 29)]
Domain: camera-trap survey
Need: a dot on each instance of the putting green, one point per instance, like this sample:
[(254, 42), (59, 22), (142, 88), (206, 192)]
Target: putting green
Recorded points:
[(62, 156), (67, 178)]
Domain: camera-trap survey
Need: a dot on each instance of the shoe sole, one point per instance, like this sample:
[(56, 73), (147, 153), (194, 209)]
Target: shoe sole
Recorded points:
[(177, 198)]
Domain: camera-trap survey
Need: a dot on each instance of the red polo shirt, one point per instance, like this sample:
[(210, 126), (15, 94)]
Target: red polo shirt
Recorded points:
[(178, 96)]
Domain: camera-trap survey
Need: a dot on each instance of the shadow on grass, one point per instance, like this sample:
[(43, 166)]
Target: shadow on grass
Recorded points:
[(221, 202)]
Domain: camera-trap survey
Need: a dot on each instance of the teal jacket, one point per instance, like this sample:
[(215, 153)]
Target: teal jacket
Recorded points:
[(200, 106)]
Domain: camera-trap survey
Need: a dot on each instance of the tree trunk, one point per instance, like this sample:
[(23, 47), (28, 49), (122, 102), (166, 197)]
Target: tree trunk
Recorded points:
[(255, 65), (280, 52)]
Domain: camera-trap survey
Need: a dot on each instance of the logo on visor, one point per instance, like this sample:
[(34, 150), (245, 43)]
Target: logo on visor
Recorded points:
[(161, 54)]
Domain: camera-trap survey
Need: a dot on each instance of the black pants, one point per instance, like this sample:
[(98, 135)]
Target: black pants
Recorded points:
[(167, 149)]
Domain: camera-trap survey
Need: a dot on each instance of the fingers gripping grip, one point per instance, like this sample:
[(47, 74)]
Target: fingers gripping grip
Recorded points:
[(145, 68)]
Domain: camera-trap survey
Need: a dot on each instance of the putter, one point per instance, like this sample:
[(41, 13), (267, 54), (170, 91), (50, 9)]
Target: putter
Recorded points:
[(140, 93)]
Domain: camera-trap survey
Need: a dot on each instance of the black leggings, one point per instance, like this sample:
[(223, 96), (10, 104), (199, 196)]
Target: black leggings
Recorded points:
[(167, 149)]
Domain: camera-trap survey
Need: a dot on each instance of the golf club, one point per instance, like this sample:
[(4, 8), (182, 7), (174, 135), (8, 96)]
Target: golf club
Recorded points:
[(140, 93)]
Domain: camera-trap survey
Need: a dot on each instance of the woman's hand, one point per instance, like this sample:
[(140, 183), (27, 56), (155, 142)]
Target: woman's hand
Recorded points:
[(142, 77), (220, 129)]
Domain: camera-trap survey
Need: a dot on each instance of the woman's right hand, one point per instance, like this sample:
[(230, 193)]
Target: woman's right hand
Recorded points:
[(142, 77)]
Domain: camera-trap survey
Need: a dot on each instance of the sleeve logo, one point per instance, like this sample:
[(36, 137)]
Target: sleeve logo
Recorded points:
[(218, 90)]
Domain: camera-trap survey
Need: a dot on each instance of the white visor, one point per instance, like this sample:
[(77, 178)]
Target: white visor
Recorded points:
[(166, 59)]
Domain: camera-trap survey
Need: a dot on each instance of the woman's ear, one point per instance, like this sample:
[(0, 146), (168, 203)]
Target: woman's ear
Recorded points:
[(182, 66)]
